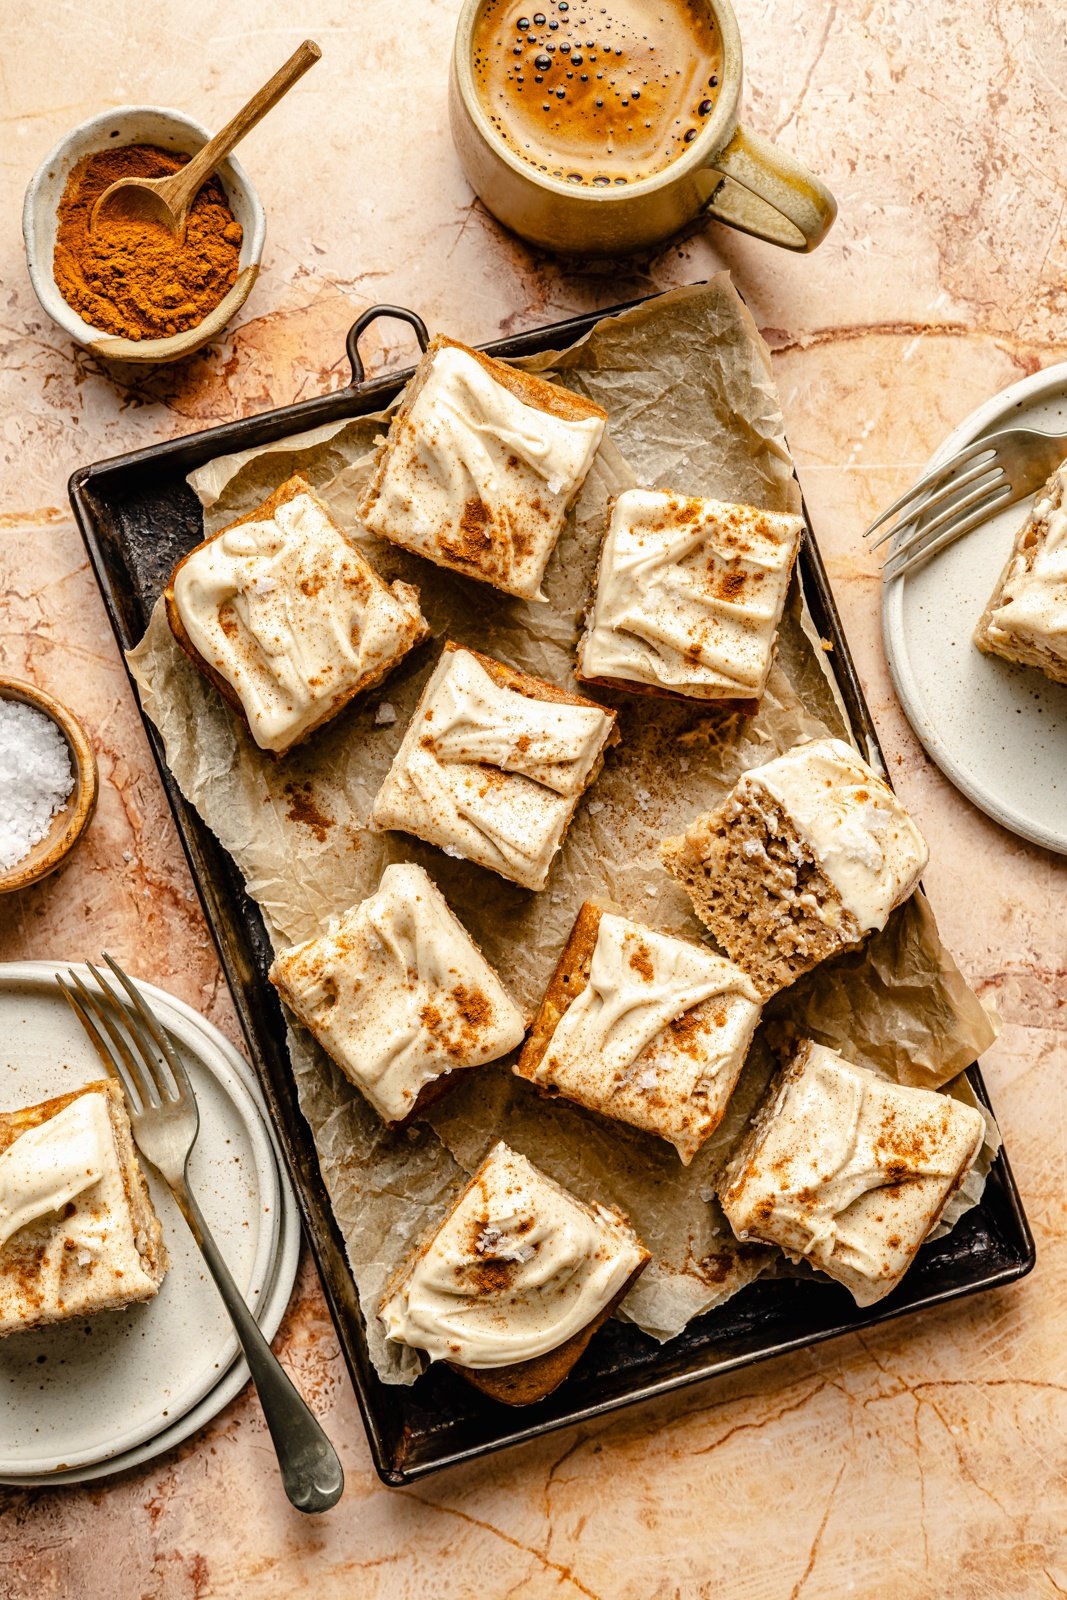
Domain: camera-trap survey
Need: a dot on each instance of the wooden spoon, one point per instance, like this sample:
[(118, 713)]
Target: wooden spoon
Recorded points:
[(167, 200)]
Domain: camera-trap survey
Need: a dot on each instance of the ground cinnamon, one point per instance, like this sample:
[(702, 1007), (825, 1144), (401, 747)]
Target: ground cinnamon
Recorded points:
[(137, 280)]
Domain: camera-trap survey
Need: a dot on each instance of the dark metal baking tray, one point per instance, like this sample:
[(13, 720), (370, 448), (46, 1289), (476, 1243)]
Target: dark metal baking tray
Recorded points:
[(138, 516)]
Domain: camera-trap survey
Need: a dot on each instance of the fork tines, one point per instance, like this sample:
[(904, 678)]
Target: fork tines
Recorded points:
[(128, 1037), (945, 504)]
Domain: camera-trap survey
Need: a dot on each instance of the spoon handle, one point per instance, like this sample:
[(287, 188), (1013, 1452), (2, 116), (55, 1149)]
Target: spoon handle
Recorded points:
[(199, 169)]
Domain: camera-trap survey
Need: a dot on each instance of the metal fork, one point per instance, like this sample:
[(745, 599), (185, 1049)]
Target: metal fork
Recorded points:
[(1001, 468), (165, 1122)]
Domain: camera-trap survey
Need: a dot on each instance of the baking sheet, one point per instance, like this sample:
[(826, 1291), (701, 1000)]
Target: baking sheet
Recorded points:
[(687, 384)]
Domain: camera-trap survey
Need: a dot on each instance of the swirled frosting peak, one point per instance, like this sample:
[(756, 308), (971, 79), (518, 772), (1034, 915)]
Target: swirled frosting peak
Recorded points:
[(689, 595), (516, 1269), (848, 1170), (492, 766), (287, 610), (480, 466), (655, 1035), (398, 993)]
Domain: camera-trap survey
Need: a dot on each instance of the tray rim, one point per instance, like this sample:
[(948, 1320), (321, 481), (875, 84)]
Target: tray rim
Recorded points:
[(360, 396)]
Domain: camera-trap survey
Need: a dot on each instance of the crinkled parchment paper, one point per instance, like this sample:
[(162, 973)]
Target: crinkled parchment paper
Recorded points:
[(687, 384)]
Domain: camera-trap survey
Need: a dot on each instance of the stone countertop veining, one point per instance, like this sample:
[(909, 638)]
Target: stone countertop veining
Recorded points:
[(921, 1459)]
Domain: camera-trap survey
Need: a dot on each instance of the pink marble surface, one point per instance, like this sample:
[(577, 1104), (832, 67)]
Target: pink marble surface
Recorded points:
[(926, 1458)]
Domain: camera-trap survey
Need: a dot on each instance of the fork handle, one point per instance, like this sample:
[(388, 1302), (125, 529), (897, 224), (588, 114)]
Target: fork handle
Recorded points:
[(311, 1471)]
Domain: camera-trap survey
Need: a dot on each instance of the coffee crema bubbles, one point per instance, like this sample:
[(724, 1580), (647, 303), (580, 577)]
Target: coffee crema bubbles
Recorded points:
[(597, 95)]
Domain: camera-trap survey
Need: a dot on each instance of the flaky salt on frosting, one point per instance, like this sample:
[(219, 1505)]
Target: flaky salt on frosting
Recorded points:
[(615, 1050), (862, 837), (489, 773), (848, 1170), (689, 595), (518, 1267), (475, 478), (398, 993), (291, 614), (1033, 597)]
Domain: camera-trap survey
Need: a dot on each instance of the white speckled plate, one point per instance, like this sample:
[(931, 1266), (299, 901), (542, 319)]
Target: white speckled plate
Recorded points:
[(997, 730), (100, 1391)]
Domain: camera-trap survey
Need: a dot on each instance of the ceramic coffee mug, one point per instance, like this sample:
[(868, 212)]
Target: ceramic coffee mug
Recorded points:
[(727, 173)]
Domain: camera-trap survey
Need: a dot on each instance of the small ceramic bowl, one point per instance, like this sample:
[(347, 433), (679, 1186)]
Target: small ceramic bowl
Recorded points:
[(71, 821), (170, 130)]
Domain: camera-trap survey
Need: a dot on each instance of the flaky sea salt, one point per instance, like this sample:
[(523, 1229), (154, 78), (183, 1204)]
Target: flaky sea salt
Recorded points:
[(35, 778), (385, 715)]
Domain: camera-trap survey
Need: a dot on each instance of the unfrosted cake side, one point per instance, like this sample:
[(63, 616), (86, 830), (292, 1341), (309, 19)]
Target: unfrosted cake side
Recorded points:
[(806, 856)]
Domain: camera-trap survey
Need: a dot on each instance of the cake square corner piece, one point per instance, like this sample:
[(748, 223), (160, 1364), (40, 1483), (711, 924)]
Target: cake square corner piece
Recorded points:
[(848, 1170), (78, 1232), (643, 1027), (512, 1285), (399, 995), (1026, 618), (480, 466), (689, 596), (493, 764), (807, 855), (284, 614)]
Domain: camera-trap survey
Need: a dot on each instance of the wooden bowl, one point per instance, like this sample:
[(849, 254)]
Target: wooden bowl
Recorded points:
[(71, 821)]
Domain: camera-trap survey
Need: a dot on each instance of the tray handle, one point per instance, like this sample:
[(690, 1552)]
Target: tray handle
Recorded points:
[(360, 326)]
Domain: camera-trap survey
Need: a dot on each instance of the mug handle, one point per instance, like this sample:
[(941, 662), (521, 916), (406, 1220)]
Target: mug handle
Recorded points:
[(767, 193)]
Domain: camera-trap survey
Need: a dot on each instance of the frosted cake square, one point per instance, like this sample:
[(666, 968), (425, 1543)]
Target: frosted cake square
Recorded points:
[(399, 995), (493, 764), (78, 1232), (643, 1027), (285, 615), (480, 466), (807, 855), (689, 596), (848, 1171), (1026, 618), (514, 1282)]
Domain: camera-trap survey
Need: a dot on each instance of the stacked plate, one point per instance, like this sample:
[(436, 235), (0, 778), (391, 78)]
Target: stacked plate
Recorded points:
[(997, 730), (84, 1399)]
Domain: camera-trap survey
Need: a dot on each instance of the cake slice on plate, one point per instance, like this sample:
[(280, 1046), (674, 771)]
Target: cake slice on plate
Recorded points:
[(480, 466), (689, 596), (398, 993), (78, 1232), (514, 1282), (807, 855), (493, 764), (846, 1170), (643, 1027), (285, 615), (1026, 618)]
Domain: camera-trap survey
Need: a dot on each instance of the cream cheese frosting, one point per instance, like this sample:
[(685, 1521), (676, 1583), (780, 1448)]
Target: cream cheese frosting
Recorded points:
[(517, 1268), (398, 993), (689, 595), (292, 615), (49, 1165), (68, 1244), (489, 773), (849, 1171), (657, 1037), (1033, 596), (474, 478), (862, 837)]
